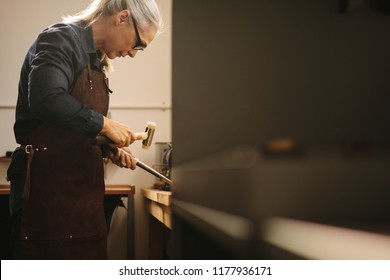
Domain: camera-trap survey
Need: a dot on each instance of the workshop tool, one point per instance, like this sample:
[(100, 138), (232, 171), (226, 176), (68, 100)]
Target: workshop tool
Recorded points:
[(143, 165), (147, 138)]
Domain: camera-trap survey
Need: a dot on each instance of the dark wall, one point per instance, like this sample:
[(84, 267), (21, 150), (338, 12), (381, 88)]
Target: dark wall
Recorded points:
[(245, 72)]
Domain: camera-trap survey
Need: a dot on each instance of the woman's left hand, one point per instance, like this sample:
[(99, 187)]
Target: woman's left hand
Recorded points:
[(123, 159)]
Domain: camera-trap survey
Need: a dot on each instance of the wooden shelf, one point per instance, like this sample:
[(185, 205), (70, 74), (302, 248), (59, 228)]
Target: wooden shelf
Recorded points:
[(8, 159)]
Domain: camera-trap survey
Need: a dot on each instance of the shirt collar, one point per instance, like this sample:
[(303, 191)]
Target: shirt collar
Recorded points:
[(88, 45), (87, 38)]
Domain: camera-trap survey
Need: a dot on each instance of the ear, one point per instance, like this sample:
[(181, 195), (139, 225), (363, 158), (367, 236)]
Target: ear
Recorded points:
[(123, 16)]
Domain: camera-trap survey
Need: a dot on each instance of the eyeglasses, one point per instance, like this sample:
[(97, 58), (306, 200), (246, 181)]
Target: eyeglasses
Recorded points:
[(139, 45)]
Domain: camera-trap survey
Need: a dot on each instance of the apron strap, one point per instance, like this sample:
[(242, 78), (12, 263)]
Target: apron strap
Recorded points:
[(30, 151)]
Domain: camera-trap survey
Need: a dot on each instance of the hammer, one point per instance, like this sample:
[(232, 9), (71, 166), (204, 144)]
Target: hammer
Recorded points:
[(146, 138)]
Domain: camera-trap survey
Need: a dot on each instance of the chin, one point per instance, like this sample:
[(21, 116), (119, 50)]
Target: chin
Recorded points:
[(112, 55)]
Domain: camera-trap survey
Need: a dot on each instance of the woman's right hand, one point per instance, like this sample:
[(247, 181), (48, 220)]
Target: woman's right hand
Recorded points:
[(118, 133)]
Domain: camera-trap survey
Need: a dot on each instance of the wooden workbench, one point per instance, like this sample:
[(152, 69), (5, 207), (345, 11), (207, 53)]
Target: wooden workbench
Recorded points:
[(158, 204), (160, 222), (129, 191), (4, 189), (110, 189)]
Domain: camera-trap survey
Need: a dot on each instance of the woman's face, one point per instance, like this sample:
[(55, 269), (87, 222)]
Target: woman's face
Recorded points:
[(121, 39)]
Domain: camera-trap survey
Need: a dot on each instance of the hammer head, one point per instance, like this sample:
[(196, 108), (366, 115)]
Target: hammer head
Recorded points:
[(149, 130)]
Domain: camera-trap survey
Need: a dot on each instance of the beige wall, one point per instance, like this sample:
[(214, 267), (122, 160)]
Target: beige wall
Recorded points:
[(142, 92)]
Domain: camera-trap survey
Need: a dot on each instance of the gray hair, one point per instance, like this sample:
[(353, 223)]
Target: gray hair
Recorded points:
[(145, 12)]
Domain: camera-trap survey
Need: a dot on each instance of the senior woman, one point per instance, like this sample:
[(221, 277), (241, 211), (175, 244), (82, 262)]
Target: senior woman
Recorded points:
[(56, 175)]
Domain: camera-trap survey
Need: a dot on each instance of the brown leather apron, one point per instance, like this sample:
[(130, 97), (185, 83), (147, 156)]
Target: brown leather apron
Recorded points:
[(63, 212)]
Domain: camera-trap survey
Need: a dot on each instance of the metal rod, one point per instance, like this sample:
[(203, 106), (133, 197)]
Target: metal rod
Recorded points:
[(153, 171), (148, 168), (102, 140)]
